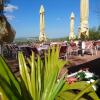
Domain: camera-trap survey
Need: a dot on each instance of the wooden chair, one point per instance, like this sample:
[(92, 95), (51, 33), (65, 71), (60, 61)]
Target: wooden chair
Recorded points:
[(90, 48), (62, 52), (72, 50)]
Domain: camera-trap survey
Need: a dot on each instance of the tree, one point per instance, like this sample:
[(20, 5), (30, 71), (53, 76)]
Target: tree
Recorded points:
[(3, 3), (94, 33), (7, 33)]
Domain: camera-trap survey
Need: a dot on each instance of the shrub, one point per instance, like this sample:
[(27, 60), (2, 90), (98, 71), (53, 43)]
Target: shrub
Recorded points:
[(41, 81)]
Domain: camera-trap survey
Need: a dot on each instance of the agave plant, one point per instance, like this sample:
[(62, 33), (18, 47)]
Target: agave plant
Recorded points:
[(40, 81)]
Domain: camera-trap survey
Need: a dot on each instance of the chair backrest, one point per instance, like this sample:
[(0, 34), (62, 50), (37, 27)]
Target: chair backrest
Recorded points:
[(89, 45), (34, 49), (97, 43), (72, 43), (63, 49)]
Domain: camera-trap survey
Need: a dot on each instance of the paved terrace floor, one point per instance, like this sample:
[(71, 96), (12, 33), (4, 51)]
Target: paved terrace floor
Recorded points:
[(87, 61), (77, 62)]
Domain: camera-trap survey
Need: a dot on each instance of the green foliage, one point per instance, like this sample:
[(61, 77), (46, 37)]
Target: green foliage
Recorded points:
[(94, 34), (59, 39), (84, 37), (81, 88), (40, 82), (44, 76)]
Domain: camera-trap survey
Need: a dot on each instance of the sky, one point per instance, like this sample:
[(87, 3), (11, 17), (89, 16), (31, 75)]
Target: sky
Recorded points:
[(24, 16)]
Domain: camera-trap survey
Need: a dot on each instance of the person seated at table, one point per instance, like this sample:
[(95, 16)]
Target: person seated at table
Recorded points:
[(83, 47), (72, 44), (80, 46)]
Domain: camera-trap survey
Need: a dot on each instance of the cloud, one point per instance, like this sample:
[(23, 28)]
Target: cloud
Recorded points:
[(10, 17), (10, 8)]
